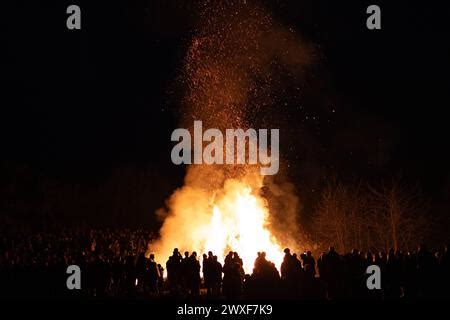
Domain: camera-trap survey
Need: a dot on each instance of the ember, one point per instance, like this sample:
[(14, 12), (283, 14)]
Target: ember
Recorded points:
[(229, 75)]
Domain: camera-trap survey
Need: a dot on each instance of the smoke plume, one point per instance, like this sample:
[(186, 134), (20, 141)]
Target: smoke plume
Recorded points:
[(235, 67)]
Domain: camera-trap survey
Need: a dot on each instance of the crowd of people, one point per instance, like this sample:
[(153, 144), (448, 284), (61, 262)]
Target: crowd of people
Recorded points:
[(119, 263), (34, 263)]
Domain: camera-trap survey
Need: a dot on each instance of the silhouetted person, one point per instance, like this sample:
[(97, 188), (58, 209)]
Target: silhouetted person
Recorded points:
[(160, 279), (185, 272), (193, 275), (140, 271), (265, 277), (426, 268), (290, 273), (151, 276), (410, 275), (216, 276), (174, 271), (311, 288), (229, 258), (332, 267), (207, 267), (233, 277), (309, 259), (287, 265), (444, 272)]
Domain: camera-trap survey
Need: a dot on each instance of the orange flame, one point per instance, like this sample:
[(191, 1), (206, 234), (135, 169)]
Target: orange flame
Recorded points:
[(230, 217), (239, 223)]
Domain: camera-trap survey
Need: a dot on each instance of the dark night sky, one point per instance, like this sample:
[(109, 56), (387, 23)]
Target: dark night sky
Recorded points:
[(79, 105)]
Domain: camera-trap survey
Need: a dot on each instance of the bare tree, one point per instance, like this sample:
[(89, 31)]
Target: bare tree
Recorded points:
[(339, 218), (398, 216), (390, 216)]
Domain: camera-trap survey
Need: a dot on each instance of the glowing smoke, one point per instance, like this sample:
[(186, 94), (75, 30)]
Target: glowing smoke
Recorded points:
[(232, 70)]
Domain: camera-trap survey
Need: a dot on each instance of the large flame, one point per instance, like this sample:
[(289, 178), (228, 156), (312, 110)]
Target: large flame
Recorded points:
[(239, 222), (219, 214)]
